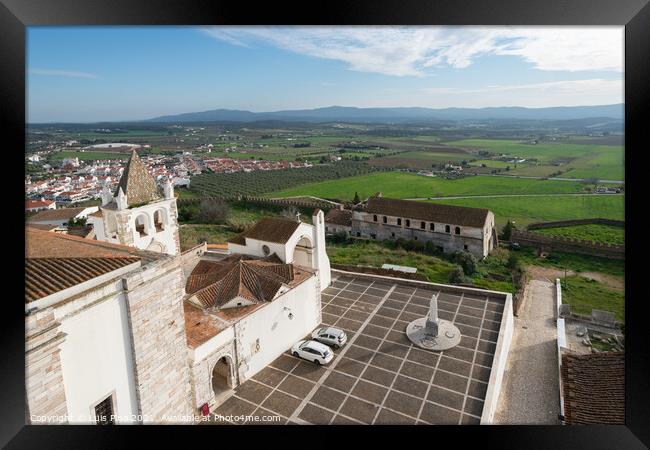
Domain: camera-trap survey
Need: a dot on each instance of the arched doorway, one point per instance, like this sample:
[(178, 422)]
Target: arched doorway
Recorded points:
[(303, 253), (222, 382)]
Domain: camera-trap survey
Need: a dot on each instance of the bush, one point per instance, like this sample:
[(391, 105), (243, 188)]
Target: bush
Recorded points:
[(507, 231), (513, 262), (467, 261), (457, 275), (238, 226), (340, 237), (213, 211)]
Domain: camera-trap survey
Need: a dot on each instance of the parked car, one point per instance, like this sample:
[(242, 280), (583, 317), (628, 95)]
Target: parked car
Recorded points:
[(515, 245), (313, 351), (330, 336)]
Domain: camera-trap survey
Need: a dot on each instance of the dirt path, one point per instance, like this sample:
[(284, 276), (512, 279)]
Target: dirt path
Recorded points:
[(530, 392), (550, 274)]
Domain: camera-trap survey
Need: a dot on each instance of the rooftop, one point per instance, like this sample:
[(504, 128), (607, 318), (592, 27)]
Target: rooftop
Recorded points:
[(594, 388), (63, 214), (269, 229), (339, 217), (137, 184), (432, 212)]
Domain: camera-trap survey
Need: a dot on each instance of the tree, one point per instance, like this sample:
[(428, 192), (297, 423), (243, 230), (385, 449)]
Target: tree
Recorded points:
[(507, 231), (214, 211), (457, 276), (356, 198), (80, 222), (513, 262), (467, 261)]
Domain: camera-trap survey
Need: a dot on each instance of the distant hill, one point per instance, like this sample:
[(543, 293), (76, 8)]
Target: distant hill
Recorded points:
[(369, 115)]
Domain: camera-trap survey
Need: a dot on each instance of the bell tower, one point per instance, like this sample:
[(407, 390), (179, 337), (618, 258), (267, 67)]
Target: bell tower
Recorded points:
[(139, 214)]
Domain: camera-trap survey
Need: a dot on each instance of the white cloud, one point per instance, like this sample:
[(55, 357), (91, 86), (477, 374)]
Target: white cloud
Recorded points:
[(62, 73), (410, 51)]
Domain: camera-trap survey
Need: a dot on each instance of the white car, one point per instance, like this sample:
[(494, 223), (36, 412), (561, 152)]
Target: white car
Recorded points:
[(330, 336), (313, 351)]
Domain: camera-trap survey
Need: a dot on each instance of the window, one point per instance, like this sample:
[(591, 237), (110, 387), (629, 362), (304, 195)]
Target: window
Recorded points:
[(374, 217), (104, 412), (373, 235), (392, 235), (266, 250), (358, 234), (447, 229), (399, 221), (465, 247), (423, 225), (457, 230), (408, 223), (431, 227), (385, 219), (415, 238), (327, 229)]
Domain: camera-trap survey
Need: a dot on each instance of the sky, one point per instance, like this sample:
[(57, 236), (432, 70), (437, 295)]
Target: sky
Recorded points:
[(104, 73)]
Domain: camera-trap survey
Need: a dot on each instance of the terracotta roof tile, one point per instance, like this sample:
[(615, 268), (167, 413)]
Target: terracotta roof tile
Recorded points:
[(269, 229), (594, 388), (339, 217), (137, 184), (63, 214), (432, 212)]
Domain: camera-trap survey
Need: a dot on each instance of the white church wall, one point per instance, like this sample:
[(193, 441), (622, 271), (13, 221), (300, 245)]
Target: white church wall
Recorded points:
[(96, 361), (165, 236), (268, 332), (253, 247)]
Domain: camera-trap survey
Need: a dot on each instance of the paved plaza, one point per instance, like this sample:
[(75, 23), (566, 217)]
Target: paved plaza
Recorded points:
[(379, 376)]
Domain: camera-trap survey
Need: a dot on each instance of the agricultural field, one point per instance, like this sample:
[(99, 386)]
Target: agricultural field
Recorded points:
[(424, 160), (574, 160), (229, 185), (397, 184), (525, 210), (606, 234), (90, 156), (585, 294)]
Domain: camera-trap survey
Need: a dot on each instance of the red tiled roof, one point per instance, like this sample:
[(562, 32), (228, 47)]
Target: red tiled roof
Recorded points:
[(269, 229), (431, 212), (594, 388), (339, 217), (29, 204), (46, 276), (63, 214)]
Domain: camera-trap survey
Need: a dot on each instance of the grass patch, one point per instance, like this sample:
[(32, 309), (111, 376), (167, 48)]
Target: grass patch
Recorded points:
[(194, 234), (585, 294), (607, 234), (571, 261)]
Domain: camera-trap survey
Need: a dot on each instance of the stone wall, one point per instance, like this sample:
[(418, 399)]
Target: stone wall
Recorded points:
[(562, 244), (154, 297), (45, 393), (566, 223), (298, 203)]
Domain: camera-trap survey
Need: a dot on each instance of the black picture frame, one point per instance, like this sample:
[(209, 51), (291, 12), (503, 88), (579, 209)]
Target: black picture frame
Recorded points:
[(15, 15)]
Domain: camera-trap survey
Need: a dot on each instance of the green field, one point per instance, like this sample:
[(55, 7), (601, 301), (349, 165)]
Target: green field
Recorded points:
[(407, 185), (89, 156), (575, 160), (585, 294), (573, 261), (525, 210), (607, 234)]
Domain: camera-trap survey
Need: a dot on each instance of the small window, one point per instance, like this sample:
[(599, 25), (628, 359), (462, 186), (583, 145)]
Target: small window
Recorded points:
[(423, 225), (266, 250), (373, 235), (399, 221), (457, 230), (358, 234), (415, 238), (465, 247), (385, 219), (392, 234), (431, 226), (447, 229), (374, 217), (104, 412), (327, 229), (408, 223)]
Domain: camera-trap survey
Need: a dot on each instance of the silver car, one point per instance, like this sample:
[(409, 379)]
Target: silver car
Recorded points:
[(330, 336)]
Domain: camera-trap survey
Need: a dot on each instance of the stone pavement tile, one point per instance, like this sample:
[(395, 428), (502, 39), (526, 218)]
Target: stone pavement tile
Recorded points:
[(426, 293), (362, 307), (467, 330), (359, 354), (410, 386), (481, 373), (315, 415), (340, 420), (425, 357), (334, 310), (329, 319), (382, 321), (369, 392), (495, 306), (265, 417), (491, 325), (469, 420), (487, 347), (417, 371), (489, 335), (345, 303), (357, 288), (270, 376), (308, 370), (348, 324), (446, 315), (375, 331), (379, 376), (467, 320), (350, 366), (367, 342), (445, 397), (235, 406), (390, 303), (359, 410), (394, 349), (495, 316), (285, 363), (253, 391), (420, 311), (468, 342), (387, 362), (328, 398), (473, 312), (403, 403), (477, 389), (467, 301), (376, 292), (348, 295), (439, 415), (388, 417), (398, 337), (296, 386), (450, 381), (422, 302), (356, 315), (473, 406), (381, 286), (402, 291), (339, 381), (409, 316), (454, 365), (460, 353), (281, 403), (388, 312), (483, 359)]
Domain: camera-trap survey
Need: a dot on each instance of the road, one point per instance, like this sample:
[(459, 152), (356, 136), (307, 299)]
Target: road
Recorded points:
[(508, 195), (530, 389), (553, 178)]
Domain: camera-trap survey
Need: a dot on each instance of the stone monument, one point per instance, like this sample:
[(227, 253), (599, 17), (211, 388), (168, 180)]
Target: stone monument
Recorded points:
[(431, 332)]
